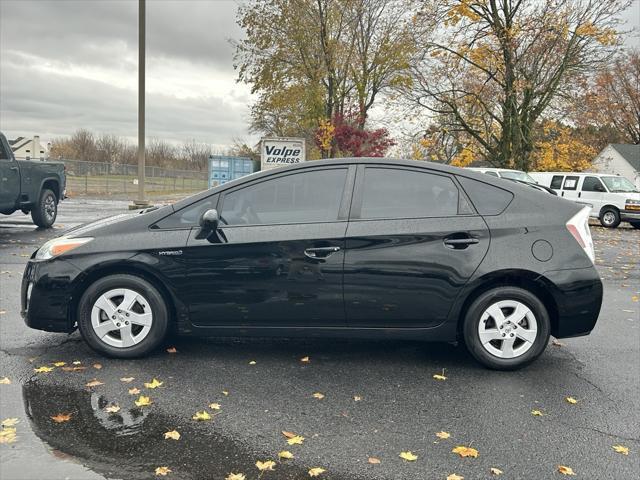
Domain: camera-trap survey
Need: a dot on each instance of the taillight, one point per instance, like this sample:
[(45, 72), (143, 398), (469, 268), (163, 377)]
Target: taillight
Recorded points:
[(578, 226)]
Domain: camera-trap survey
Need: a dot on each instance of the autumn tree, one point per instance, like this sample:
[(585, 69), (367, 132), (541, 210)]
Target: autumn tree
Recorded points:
[(492, 68), (559, 147), (610, 103), (344, 136), (312, 60)]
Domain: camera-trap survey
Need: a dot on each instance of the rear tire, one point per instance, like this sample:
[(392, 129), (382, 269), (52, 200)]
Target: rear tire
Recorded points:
[(44, 213), (123, 316), (506, 328), (610, 217)]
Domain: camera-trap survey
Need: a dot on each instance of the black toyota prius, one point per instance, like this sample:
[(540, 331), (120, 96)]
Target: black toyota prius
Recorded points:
[(350, 247)]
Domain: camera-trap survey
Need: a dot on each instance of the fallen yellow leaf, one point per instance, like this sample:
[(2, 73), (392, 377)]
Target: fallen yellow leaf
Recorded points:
[(439, 377), (94, 383), (465, 451), (495, 471), (316, 471), (201, 416), (60, 364), (9, 422), (453, 476), (571, 400), (408, 456), (172, 350), (143, 401), (235, 476), (536, 413), (285, 454), (61, 417), (77, 362), (163, 471), (113, 408), (252, 362), (97, 366), (297, 440), (134, 391), (357, 398), (318, 395), (7, 435), (5, 381), (43, 369), (304, 359), (127, 379), (621, 449), (153, 384), (373, 460), (173, 435), (225, 393), (266, 465), (565, 470), (214, 406), (443, 435), (73, 369)]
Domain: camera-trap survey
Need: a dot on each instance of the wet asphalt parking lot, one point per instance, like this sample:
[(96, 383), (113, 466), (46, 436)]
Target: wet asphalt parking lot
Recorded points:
[(379, 397)]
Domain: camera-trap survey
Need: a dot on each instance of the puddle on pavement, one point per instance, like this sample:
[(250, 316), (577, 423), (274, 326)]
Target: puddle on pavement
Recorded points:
[(130, 444)]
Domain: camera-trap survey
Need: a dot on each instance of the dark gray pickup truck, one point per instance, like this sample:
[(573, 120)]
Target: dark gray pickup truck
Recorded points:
[(30, 186)]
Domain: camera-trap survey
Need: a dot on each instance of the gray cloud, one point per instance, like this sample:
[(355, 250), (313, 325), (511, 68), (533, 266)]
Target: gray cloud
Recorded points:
[(71, 64)]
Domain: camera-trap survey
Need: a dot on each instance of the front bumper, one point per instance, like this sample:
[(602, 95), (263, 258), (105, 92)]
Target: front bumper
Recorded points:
[(628, 215), (50, 284), (577, 294)]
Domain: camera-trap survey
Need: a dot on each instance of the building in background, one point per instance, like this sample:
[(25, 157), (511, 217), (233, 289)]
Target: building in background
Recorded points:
[(619, 159), (28, 148)]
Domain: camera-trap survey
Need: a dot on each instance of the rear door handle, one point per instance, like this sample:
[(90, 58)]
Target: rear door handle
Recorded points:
[(458, 243), (13, 168), (321, 252)]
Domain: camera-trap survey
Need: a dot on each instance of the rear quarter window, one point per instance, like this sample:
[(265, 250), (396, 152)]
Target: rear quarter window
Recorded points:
[(487, 199)]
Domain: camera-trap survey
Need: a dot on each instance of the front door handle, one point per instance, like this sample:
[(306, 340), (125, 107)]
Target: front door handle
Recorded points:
[(13, 168), (321, 252), (459, 243)]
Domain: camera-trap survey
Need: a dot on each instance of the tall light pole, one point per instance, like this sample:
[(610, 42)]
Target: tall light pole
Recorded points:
[(141, 201)]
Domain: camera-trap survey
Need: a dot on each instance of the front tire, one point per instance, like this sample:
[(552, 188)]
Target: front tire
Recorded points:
[(123, 316), (610, 217), (506, 328), (44, 213), (635, 224)]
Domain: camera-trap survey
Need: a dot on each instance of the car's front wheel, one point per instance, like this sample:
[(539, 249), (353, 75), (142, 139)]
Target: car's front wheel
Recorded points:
[(123, 316), (506, 328), (610, 217)]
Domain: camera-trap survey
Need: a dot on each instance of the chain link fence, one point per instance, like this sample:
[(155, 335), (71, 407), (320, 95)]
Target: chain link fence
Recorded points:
[(98, 178)]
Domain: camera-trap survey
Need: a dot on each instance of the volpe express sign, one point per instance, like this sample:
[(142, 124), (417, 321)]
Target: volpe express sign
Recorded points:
[(279, 152)]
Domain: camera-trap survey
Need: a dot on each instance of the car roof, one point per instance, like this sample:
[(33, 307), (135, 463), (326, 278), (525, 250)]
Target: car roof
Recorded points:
[(385, 161), (579, 174), (493, 169)]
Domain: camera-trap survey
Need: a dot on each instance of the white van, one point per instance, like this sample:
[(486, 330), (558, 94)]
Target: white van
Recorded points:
[(612, 198), (505, 173)]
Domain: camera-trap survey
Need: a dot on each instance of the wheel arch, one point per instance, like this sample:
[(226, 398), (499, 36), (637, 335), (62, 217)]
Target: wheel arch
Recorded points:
[(53, 185), (608, 206), (525, 279), (174, 306)]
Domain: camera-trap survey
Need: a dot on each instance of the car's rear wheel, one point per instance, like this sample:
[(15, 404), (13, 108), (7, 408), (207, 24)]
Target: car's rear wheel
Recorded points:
[(610, 217), (506, 328), (123, 316), (44, 213)]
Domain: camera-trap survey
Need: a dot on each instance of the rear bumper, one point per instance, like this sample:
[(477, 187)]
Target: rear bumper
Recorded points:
[(47, 295), (577, 294)]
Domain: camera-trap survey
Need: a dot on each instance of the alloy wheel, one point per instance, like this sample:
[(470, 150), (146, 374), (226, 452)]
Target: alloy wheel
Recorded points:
[(50, 207), (507, 329), (609, 218), (121, 317)]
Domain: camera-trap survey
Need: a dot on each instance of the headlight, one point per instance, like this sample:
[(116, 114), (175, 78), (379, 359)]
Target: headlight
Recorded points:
[(632, 202), (58, 246)]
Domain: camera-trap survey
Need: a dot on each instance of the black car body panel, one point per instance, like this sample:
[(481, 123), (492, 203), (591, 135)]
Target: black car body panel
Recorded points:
[(397, 277)]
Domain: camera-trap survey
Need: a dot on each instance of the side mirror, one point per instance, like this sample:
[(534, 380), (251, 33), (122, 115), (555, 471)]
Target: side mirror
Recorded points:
[(210, 219)]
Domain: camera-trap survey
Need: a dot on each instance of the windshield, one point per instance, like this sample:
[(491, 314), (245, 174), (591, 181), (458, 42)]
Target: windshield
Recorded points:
[(516, 175), (618, 184)]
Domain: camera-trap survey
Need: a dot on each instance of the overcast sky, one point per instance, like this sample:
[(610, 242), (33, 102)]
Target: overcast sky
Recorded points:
[(66, 65)]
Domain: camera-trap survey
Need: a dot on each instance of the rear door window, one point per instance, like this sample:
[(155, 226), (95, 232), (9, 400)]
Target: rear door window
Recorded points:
[(556, 182), (570, 183), (399, 193)]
